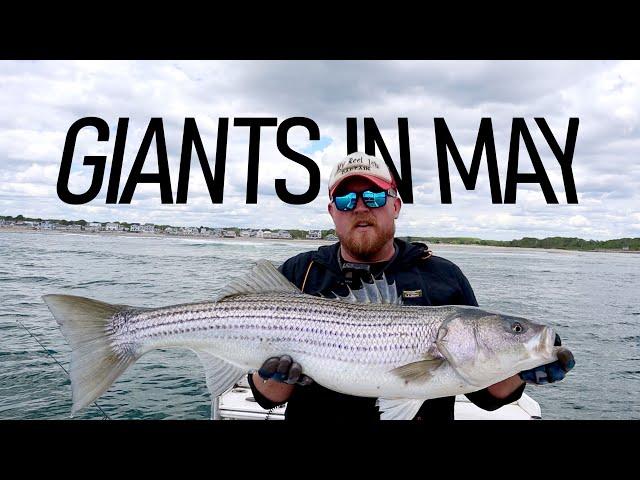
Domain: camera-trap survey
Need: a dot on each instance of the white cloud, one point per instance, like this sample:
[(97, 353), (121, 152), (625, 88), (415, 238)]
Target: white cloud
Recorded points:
[(42, 99), (579, 221)]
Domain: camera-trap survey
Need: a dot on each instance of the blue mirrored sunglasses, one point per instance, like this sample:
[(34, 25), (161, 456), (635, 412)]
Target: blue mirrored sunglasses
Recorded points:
[(348, 201)]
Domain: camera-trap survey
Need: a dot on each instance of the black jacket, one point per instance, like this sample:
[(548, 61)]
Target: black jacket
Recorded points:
[(439, 282)]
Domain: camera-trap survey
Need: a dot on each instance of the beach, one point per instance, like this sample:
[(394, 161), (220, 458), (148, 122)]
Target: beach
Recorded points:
[(432, 246), (14, 229)]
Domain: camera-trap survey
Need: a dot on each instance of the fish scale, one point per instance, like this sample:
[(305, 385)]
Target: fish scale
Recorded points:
[(379, 333)]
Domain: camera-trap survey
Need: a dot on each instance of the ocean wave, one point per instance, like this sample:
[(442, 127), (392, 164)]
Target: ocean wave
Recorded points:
[(106, 282), (33, 278), (223, 243)]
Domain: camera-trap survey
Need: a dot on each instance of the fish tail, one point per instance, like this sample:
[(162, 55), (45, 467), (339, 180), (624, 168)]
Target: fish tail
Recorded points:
[(95, 365)]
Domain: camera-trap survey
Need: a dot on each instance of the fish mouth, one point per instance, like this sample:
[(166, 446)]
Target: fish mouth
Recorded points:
[(545, 345)]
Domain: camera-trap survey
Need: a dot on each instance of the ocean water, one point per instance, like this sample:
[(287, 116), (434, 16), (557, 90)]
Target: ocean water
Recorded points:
[(592, 299)]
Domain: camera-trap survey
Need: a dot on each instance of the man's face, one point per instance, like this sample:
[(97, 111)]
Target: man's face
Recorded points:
[(364, 231)]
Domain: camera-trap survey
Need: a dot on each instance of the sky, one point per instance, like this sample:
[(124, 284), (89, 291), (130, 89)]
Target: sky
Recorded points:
[(42, 99)]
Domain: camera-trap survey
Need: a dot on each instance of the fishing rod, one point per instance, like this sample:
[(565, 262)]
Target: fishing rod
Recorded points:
[(105, 416)]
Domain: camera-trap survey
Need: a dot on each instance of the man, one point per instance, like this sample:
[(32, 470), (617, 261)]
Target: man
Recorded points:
[(364, 206)]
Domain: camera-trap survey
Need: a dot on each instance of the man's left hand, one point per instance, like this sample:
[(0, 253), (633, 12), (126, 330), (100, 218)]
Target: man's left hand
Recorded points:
[(551, 372)]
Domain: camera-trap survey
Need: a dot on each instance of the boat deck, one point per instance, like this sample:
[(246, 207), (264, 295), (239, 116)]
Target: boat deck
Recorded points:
[(239, 404)]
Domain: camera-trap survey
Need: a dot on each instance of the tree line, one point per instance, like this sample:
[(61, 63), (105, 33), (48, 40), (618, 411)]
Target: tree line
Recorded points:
[(566, 243)]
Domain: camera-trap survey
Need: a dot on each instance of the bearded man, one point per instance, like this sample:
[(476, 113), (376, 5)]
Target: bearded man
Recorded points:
[(364, 205)]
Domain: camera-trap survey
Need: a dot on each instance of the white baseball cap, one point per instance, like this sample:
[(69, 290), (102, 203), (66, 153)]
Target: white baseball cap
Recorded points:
[(360, 164)]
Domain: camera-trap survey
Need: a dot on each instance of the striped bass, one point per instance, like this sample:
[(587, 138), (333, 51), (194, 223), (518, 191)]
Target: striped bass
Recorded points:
[(364, 344)]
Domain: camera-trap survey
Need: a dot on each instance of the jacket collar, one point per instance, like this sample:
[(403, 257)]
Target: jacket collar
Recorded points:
[(408, 254)]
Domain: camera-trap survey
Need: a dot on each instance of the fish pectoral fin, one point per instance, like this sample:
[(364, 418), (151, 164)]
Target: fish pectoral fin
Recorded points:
[(398, 408), (221, 375), (419, 371)]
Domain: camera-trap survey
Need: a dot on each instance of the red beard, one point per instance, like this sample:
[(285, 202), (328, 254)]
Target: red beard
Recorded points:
[(367, 243)]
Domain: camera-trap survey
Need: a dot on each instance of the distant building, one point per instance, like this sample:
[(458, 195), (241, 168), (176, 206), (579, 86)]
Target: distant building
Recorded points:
[(314, 234), (259, 234), (148, 228), (216, 232), (46, 225), (229, 233), (93, 227), (170, 230), (74, 227), (245, 233), (135, 227), (112, 227), (331, 237), (283, 234), (267, 234), (204, 231)]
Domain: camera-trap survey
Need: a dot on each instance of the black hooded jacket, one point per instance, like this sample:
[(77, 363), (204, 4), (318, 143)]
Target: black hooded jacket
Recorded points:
[(422, 279)]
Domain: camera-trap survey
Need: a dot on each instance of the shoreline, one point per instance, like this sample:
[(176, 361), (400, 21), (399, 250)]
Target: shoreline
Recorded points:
[(264, 240), (555, 250), (160, 235)]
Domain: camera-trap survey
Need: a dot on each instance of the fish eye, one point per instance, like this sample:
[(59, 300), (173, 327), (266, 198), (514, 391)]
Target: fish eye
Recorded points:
[(517, 327)]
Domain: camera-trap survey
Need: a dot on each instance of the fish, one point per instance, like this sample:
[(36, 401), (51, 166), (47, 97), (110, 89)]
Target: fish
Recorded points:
[(366, 343)]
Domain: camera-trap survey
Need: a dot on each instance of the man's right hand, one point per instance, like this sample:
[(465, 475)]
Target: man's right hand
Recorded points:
[(283, 369), (551, 372)]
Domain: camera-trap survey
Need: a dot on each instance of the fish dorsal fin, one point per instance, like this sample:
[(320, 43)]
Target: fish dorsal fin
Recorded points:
[(377, 292), (264, 277), (221, 375), (398, 409), (372, 292)]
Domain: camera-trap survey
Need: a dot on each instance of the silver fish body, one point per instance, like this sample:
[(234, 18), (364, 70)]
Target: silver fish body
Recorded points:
[(325, 336), (366, 344)]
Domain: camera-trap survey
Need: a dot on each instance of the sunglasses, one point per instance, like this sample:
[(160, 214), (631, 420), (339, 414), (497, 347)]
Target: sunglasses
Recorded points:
[(348, 201)]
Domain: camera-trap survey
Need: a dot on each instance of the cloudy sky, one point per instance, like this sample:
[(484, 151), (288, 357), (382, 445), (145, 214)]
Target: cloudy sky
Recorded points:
[(40, 101)]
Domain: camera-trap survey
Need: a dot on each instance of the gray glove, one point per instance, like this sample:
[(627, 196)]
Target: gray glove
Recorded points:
[(283, 369)]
